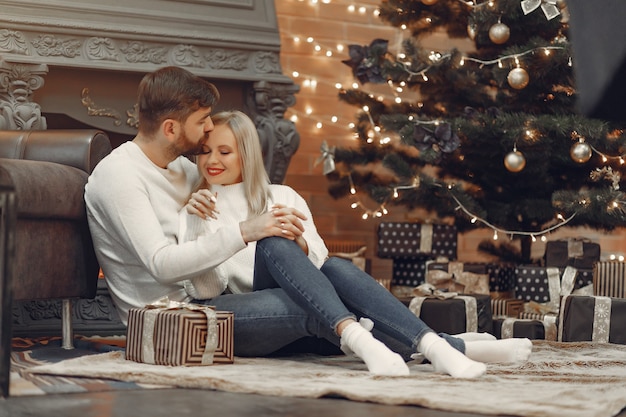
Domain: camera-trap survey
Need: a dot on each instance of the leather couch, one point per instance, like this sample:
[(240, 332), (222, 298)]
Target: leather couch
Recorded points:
[(53, 256)]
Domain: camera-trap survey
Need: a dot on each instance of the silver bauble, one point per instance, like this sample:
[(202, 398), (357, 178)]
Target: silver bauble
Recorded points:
[(518, 78), (514, 161), (580, 152), (499, 33)]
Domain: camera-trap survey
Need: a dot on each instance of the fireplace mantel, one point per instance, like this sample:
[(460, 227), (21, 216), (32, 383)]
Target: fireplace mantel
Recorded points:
[(77, 63)]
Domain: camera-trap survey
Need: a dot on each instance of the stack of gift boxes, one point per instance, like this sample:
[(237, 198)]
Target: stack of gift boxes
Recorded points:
[(572, 296)]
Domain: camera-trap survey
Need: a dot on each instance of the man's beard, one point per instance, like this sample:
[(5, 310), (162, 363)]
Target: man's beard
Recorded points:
[(184, 146)]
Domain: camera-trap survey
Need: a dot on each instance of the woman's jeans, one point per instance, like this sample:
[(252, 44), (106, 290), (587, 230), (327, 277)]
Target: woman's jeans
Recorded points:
[(292, 299)]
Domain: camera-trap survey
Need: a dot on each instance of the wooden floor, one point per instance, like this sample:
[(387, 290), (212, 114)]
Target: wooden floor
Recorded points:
[(192, 402)]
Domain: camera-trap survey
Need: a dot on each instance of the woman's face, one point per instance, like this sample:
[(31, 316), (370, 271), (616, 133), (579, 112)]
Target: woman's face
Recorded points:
[(221, 164)]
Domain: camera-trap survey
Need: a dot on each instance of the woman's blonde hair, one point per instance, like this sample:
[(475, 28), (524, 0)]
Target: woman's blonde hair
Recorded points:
[(255, 179)]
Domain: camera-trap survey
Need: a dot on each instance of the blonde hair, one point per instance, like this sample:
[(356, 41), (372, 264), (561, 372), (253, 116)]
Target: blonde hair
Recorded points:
[(255, 179)]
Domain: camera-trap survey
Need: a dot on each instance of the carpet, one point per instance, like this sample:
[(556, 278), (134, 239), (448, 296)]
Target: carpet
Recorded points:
[(584, 379)]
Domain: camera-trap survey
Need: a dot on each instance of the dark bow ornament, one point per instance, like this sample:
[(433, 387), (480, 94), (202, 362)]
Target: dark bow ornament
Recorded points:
[(365, 61)]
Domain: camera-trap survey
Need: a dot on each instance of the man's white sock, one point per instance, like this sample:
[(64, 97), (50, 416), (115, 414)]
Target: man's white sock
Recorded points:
[(504, 350)]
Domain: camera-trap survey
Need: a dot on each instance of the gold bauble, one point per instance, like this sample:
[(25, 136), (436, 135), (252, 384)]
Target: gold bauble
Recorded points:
[(499, 33), (518, 78), (580, 152), (429, 2), (471, 32), (514, 161)]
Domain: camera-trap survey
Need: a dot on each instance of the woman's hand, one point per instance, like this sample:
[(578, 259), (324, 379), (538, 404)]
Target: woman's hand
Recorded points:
[(280, 221), (202, 204)]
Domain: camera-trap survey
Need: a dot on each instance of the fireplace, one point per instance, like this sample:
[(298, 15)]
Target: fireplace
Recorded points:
[(77, 64)]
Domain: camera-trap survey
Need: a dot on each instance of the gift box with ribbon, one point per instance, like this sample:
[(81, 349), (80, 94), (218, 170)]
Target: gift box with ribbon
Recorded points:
[(450, 312), (409, 272), (410, 240), (179, 334), (501, 279), (579, 253), (508, 327), (592, 318), (506, 307), (609, 279), (548, 284), (461, 277)]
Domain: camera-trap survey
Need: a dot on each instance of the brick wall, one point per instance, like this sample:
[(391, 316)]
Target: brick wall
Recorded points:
[(332, 24)]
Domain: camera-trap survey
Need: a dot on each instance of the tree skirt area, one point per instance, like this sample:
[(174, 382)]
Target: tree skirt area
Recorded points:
[(559, 379)]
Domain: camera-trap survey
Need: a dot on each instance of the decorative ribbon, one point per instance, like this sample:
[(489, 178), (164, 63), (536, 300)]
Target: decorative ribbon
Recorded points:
[(328, 157), (575, 248), (471, 309), (548, 322), (426, 238), (165, 303), (601, 320), (550, 10), (456, 279)]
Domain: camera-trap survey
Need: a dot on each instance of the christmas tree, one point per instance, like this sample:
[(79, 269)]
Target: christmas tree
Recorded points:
[(488, 138)]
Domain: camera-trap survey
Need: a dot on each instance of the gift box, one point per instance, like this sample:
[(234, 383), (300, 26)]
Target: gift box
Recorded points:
[(506, 307), (548, 284), (184, 335), (579, 253), (410, 240), (609, 279), (455, 314), (592, 318), (461, 277), (505, 328), (409, 271), (501, 278)]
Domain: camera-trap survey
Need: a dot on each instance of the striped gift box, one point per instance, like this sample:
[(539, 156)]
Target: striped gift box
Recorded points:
[(506, 307), (180, 337), (609, 279)]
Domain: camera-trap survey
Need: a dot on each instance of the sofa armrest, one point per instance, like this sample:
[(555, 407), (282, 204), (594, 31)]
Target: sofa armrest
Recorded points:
[(47, 190), (79, 148)]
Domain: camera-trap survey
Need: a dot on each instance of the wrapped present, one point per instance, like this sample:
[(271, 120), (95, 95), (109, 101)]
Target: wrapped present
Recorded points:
[(409, 271), (609, 279), (461, 277), (410, 240), (501, 278), (506, 307), (351, 250), (179, 334), (547, 284), (508, 327), (579, 253), (592, 318), (452, 313)]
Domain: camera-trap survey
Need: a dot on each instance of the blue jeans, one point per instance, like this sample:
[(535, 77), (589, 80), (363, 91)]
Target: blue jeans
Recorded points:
[(292, 299)]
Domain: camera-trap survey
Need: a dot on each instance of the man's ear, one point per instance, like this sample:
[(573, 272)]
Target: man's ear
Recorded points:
[(170, 128)]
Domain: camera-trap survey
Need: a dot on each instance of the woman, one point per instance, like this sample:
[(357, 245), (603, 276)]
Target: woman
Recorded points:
[(284, 288)]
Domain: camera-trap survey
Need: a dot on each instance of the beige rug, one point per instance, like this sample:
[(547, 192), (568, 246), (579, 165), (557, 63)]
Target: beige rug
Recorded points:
[(560, 379)]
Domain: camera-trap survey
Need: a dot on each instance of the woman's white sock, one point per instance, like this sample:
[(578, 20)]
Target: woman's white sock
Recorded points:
[(447, 359), (380, 360), (504, 350)]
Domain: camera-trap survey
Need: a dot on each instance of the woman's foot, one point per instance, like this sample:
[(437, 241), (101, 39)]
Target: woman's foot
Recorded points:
[(380, 360), (504, 350), (447, 359)]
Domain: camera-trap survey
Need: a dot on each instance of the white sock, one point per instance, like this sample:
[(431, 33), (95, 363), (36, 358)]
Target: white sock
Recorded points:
[(447, 359), (367, 324), (380, 360), (473, 336), (504, 350)]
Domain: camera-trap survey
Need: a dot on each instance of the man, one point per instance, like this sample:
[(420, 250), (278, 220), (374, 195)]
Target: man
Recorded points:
[(134, 195)]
